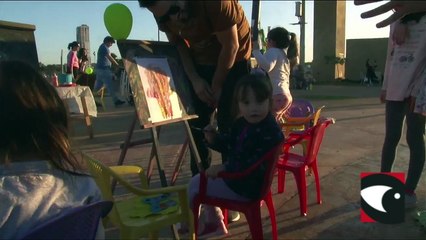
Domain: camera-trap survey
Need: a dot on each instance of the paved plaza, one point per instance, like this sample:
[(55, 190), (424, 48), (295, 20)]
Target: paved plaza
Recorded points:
[(351, 146)]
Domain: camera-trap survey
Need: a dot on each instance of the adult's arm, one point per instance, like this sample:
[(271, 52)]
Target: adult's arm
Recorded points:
[(229, 42), (400, 8), (112, 59), (200, 85)]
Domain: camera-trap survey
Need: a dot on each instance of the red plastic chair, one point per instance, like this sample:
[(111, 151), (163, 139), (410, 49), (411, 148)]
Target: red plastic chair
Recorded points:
[(298, 164), (250, 209)]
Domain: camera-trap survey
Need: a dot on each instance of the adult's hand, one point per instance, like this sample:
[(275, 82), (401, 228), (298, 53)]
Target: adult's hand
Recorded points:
[(400, 8), (203, 91)]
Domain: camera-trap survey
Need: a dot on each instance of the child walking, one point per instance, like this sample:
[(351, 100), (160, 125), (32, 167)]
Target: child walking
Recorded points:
[(253, 133), (276, 62)]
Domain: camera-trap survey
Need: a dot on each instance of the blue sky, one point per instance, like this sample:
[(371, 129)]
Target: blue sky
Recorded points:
[(56, 22)]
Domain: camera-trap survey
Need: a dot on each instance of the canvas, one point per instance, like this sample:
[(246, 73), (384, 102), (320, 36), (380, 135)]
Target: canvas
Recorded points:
[(159, 89)]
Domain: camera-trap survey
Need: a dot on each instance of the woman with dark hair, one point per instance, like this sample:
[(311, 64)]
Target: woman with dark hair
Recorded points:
[(83, 60), (39, 175), (73, 66), (281, 48)]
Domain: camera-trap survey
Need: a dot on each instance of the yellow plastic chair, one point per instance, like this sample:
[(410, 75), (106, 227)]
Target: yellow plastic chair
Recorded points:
[(129, 215), (297, 124), (300, 124)]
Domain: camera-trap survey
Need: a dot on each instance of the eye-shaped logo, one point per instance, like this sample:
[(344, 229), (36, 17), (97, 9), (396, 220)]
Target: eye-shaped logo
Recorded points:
[(382, 197)]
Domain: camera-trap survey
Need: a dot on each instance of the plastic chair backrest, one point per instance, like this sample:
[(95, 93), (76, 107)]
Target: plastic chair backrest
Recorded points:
[(103, 177), (316, 116), (300, 108), (317, 134), (272, 158), (76, 223)]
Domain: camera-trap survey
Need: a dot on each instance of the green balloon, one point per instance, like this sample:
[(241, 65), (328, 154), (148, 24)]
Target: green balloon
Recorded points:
[(118, 21), (89, 70)]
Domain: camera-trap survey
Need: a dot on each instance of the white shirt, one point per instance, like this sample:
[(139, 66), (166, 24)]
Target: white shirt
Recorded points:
[(32, 192), (404, 66), (276, 63)]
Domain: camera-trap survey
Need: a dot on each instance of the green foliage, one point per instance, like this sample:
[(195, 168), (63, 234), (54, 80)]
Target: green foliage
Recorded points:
[(263, 39)]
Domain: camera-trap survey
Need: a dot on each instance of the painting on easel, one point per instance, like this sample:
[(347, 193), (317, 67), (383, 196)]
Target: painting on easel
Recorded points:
[(159, 88)]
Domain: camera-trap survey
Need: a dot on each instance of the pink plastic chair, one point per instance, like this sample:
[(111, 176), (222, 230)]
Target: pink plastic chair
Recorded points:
[(298, 164), (250, 209)]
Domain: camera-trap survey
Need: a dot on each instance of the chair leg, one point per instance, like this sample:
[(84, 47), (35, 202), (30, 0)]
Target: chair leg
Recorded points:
[(270, 204), (191, 228), (225, 216), (317, 183), (281, 180), (255, 223), (301, 187), (195, 214)]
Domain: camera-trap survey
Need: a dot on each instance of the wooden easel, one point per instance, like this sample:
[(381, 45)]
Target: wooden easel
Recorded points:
[(130, 49), (154, 139)]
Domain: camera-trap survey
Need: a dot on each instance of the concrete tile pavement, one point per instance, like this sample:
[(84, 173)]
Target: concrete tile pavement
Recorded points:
[(350, 146)]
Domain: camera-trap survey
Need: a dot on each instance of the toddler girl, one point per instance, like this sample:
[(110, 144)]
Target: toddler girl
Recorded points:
[(253, 134)]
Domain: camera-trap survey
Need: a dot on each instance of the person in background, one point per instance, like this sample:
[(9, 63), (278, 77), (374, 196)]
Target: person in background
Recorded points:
[(276, 62), (39, 175), (104, 74), (83, 58), (253, 133), (73, 66), (370, 74), (404, 73)]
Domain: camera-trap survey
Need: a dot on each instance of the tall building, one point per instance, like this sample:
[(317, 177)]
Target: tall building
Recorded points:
[(83, 38)]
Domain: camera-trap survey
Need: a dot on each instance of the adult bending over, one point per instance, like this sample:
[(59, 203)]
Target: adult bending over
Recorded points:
[(213, 41)]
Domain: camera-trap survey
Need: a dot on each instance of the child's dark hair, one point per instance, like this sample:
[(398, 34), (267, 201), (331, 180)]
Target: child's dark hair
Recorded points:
[(283, 39), (73, 44), (82, 54), (33, 117), (259, 83)]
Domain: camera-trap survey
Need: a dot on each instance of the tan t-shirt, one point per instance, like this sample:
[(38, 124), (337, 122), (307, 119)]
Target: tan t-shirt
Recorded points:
[(210, 17)]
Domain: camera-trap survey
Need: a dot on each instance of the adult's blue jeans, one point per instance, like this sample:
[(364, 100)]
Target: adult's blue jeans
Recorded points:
[(104, 77)]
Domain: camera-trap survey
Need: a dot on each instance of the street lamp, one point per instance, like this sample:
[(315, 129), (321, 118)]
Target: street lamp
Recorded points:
[(300, 13)]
